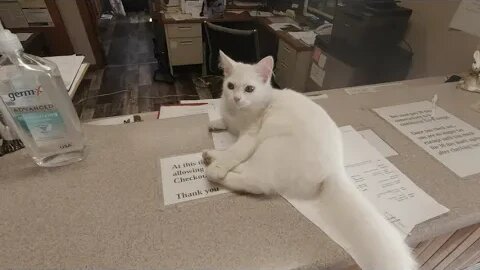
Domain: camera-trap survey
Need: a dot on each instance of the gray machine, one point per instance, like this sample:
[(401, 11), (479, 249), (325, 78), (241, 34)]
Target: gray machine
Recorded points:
[(366, 46)]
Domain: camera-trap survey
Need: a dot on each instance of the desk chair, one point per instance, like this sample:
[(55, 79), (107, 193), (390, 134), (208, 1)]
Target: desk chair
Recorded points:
[(240, 45)]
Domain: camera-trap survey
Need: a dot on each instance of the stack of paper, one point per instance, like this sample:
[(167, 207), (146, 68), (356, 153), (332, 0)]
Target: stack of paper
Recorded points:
[(308, 37), (402, 202), (194, 8)]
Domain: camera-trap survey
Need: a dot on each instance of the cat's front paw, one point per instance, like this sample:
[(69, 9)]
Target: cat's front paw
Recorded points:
[(209, 156), (216, 172)]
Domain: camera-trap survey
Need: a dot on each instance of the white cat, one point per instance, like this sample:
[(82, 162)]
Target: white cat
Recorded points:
[(289, 145)]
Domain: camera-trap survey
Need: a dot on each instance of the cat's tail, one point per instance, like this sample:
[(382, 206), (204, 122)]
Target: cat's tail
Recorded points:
[(353, 222)]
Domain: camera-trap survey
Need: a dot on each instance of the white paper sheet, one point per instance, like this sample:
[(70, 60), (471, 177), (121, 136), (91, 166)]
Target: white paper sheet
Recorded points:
[(184, 179), (179, 111), (68, 66), (78, 79), (235, 11), (467, 17), (308, 37), (280, 26), (257, 13), (317, 74), (450, 140), (214, 110), (194, 8), (377, 142), (197, 101), (393, 194), (370, 88)]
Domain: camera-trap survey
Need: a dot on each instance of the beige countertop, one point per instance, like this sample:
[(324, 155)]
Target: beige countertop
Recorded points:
[(107, 211)]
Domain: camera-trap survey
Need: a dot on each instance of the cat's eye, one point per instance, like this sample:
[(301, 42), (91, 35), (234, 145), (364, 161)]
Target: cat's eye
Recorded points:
[(230, 86), (249, 89)]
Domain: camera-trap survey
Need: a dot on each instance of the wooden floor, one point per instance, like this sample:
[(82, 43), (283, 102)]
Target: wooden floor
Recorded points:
[(126, 85)]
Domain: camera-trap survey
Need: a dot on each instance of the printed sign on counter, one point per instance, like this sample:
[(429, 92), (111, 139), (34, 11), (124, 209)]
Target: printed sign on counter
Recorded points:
[(450, 140), (184, 179)]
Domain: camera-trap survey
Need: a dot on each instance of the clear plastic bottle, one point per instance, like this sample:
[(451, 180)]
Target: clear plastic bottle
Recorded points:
[(35, 103)]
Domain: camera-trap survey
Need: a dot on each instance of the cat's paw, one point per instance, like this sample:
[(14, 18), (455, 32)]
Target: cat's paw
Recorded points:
[(209, 156), (216, 172)]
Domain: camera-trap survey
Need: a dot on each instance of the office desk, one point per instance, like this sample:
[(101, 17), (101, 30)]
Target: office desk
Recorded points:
[(107, 211), (185, 45)]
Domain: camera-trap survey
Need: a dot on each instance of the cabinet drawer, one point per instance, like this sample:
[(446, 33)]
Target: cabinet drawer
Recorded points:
[(185, 51), (281, 74), (286, 54), (184, 30)]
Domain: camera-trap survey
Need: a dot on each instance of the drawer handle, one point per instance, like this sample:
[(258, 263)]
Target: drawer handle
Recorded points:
[(186, 42), (184, 27)]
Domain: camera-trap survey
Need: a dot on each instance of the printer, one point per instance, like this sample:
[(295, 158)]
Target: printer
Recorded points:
[(365, 46), (369, 23)]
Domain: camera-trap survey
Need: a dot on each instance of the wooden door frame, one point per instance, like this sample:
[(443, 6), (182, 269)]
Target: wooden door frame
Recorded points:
[(90, 24)]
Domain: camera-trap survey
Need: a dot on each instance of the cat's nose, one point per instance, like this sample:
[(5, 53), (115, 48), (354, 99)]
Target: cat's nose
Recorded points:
[(236, 99)]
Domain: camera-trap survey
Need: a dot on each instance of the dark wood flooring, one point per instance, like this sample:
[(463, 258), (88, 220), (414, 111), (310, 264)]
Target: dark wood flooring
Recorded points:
[(126, 85)]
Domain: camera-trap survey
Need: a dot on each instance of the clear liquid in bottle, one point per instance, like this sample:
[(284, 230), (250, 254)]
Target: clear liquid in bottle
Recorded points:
[(35, 102)]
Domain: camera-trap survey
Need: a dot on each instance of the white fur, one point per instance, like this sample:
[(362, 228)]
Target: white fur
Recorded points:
[(289, 145)]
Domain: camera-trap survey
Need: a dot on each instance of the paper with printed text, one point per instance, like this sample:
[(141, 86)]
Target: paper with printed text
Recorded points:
[(450, 140), (183, 179)]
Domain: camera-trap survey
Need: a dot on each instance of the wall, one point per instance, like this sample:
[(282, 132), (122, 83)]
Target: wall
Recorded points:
[(437, 50), (76, 29)]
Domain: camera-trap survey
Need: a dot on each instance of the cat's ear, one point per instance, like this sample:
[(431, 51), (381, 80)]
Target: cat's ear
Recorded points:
[(264, 68), (226, 63)]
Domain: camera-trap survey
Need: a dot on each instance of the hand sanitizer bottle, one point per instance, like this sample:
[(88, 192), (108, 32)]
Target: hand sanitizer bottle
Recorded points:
[(35, 103)]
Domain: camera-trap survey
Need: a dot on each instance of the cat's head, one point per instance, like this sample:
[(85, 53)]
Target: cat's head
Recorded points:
[(247, 86)]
